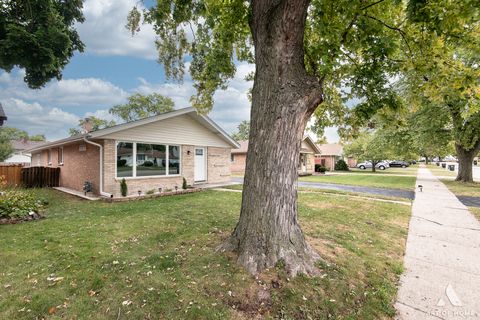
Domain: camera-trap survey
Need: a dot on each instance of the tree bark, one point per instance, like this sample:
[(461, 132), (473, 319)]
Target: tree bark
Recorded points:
[(284, 97), (465, 162)]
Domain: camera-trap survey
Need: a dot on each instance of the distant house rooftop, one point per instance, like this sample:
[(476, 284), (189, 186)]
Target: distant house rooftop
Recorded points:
[(20, 145), (243, 147), (331, 149), (3, 117)]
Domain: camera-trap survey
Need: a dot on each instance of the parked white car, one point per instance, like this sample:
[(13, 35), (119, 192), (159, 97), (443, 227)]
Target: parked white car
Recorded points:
[(382, 165)]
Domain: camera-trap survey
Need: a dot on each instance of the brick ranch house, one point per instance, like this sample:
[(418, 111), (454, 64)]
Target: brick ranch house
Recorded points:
[(330, 153), (151, 153), (306, 164)]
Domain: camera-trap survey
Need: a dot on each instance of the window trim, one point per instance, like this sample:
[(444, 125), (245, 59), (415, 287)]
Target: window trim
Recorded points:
[(60, 152), (134, 155)]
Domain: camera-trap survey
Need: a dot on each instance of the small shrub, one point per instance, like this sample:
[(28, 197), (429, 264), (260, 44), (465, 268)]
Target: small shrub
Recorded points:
[(123, 187), (121, 162), (184, 184), (18, 204), (147, 163), (341, 165), (151, 191), (320, 168)]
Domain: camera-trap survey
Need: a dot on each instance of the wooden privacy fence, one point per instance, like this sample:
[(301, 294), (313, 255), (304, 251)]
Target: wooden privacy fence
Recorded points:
[(12, 174), (39, 177)]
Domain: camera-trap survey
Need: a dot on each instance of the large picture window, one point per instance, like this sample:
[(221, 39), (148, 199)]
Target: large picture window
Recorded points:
[(173, 160), (125, 159), (135, 159), (151, 160)]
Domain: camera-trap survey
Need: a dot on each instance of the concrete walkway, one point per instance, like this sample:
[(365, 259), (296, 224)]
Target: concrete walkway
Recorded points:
[(442, 260)]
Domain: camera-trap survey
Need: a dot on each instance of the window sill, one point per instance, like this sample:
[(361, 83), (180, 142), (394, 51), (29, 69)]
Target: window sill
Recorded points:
[(148, 177)]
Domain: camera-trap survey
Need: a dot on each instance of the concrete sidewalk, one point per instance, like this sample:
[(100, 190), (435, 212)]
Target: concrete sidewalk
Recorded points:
[(442, 260)]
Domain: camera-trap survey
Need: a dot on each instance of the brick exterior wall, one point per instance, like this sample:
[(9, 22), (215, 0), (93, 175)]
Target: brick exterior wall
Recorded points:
[(218, 170), (218, 165), (239, 162), (327, 161), (78, 166)]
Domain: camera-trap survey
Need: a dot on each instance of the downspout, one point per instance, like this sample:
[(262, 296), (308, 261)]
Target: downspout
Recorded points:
[(105, 194)]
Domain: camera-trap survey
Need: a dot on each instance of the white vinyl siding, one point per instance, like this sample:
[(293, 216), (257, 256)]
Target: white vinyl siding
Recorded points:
[(181, 130)]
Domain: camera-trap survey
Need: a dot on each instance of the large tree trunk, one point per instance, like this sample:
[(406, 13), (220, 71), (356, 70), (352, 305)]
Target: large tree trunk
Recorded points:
[(465, 162), (283, 99)]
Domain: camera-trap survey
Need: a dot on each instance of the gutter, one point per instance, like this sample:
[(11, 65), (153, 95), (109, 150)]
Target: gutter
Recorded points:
[(105, 194)]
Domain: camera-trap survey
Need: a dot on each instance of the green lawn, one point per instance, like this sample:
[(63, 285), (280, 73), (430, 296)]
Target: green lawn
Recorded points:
[(412, 170), (439, 171), (475, 211), (156, 259), (380, 181), (462, 188)]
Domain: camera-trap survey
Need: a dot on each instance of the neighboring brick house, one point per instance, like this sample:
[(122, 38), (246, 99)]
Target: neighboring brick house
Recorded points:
[(306, 164), (330, 153), (238, 159), (155, 152)]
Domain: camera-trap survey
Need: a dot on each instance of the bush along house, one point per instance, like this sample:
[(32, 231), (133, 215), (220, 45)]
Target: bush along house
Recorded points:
[(151, 153)]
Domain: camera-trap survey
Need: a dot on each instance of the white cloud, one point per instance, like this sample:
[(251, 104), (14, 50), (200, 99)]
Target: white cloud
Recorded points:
[(331, 133), (104, 32), (37, 119), (231, 106), (84, 92)]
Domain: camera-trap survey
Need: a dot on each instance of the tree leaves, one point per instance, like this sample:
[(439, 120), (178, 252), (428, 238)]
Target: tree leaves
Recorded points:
[(141, 106), (39, 36)]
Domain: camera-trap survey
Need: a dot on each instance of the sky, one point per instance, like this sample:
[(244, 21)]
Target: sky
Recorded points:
[(113, 66)]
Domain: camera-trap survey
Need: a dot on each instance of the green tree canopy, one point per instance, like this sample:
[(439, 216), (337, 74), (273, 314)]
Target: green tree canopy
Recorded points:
[(243, 131), (441, 71), (96, 123), (369, 146), (140, 106), (39, 36)]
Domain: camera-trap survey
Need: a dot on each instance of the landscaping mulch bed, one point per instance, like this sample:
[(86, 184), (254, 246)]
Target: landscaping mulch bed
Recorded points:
[(31, 217), (154, 195)]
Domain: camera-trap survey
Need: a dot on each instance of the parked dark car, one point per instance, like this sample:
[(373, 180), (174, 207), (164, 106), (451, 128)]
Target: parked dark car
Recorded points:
[(400, 164)]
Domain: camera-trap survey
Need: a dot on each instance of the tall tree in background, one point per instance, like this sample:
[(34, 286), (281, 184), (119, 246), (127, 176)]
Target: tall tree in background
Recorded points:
[(39, 36), (443, 70), (243, 131), (95, 122), (369, 146), (299, 47), (140, 106)]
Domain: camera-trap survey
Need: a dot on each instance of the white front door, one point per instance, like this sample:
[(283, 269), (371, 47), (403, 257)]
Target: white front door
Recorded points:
[(200, 164)]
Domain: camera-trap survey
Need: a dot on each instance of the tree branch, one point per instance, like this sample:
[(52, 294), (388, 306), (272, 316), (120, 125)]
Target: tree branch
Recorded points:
[(402, 33), (371, 4)]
